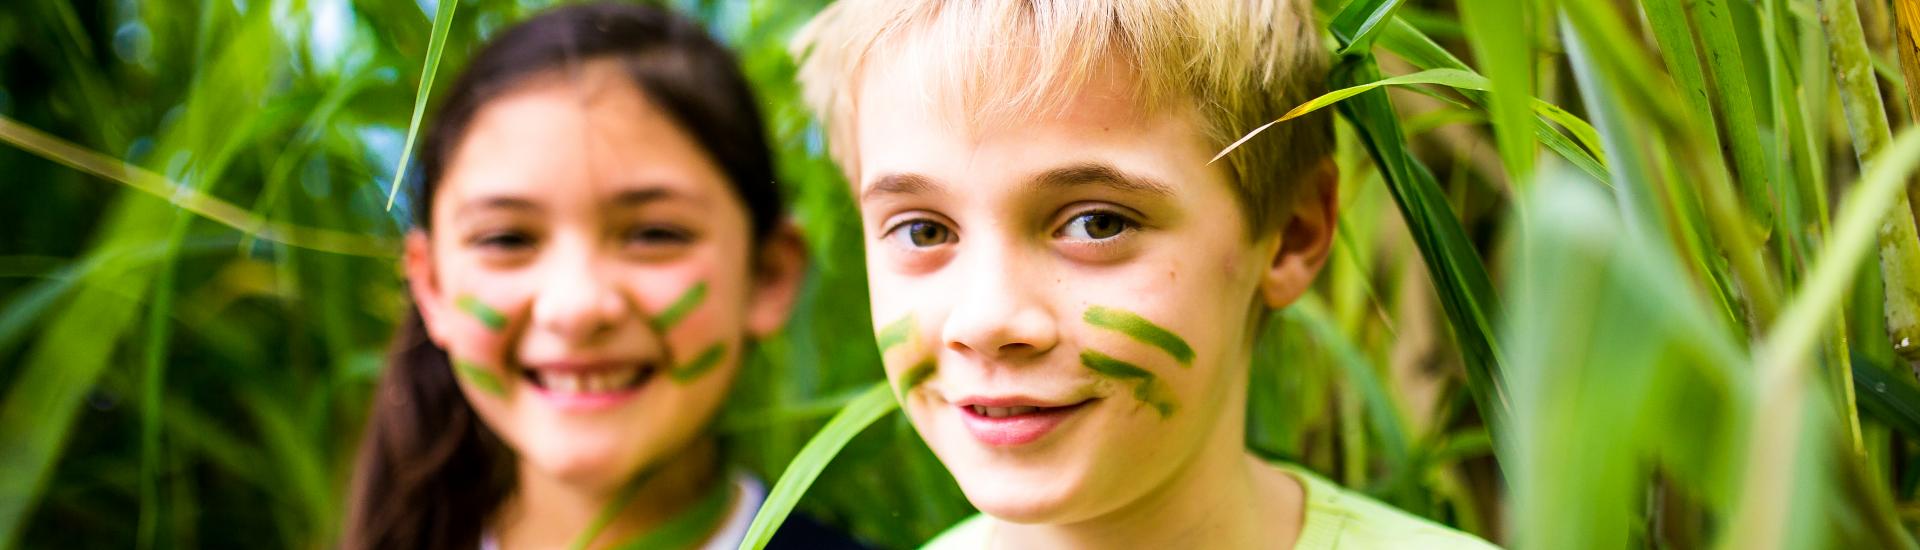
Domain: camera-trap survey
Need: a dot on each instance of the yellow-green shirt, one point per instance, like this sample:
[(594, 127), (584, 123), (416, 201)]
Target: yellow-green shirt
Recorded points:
[(1336, 519)]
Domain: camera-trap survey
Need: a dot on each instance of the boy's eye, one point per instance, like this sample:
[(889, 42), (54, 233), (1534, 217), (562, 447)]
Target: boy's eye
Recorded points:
[(921, 234), (1096, 226)]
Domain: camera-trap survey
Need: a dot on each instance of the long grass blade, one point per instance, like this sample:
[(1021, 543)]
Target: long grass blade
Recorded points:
[(1446, 77), (1733, 95), (436, 44), (190, 199), (813, 458), (1505, 54), (1459, 276)]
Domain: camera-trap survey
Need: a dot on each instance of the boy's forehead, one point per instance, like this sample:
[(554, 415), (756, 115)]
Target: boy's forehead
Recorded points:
[(1015, 91), (907, 125)]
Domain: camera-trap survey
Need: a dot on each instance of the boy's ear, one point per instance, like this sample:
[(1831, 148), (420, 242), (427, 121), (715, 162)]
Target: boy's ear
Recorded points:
[(779, 266), (423, 284), (1305, 238)]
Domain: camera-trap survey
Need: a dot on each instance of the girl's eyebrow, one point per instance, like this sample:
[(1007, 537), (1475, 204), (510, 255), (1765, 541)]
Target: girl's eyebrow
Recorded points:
[(648, 193), (496, 202)]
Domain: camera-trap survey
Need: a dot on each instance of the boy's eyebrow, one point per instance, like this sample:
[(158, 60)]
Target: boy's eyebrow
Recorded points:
[(899, 184), (1098, 173)]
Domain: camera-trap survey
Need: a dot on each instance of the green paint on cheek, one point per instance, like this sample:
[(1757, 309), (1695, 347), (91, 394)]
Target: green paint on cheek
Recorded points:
[(479, 377), (1147, 387), (700, 364), (1139, 328), (480, 311), (681, 307), (914, 376), (894, 334)]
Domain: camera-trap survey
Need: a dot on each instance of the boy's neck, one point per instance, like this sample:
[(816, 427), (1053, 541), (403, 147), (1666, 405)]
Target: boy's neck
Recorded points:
[(547, 513), (1224, 497)]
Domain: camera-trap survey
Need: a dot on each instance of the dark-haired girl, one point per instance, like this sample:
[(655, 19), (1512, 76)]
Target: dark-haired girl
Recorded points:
[(597, 238)]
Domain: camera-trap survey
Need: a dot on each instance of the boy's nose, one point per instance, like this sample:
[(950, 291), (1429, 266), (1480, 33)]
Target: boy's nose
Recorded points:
[(580, 303), (999, 315)]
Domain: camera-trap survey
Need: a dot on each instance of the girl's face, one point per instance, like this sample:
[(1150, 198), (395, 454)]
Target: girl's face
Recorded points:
[(589, 271)]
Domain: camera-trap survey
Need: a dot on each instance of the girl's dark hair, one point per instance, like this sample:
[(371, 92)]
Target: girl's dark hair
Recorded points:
[(430, 474)]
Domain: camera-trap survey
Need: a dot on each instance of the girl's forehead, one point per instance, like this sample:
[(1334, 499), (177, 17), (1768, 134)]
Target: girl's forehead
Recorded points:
[(581, 140)]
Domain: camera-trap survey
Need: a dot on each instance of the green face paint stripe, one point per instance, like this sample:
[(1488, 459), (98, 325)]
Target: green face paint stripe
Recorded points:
[(480, 377), (1155, 395), (914, 376), (1113, 368), (700, 364), (1139, 328), (486, 315), (894, 334), (681, 307), (1147, 388)]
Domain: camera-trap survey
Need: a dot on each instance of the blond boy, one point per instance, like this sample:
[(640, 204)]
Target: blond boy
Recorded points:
[(1068, 285)]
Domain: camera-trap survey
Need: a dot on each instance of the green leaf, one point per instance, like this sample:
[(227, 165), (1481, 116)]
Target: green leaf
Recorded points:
[(1734, 95), (1888, 396), (813, 458), (1497, 32), (1455, 78), (1459, 276), (436, 43), (1362, 20)]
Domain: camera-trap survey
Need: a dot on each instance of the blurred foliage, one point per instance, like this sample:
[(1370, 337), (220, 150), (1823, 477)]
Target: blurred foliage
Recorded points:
[(1621, 256)]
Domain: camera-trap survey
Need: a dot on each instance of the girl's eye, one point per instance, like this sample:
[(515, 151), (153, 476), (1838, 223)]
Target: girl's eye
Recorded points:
[(504, 241), (656, 235), (1096, 226), (922, 234)]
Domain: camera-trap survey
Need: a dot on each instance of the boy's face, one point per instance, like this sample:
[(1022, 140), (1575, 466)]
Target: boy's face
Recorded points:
[(1064, 302)]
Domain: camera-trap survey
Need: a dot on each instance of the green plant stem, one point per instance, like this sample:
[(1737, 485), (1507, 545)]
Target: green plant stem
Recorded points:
[(1784, 362)]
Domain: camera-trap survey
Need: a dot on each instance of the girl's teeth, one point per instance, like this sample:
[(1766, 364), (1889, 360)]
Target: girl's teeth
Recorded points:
[(586, 382)]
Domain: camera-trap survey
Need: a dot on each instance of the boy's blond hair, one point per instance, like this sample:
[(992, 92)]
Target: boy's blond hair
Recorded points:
[(1240, 63)]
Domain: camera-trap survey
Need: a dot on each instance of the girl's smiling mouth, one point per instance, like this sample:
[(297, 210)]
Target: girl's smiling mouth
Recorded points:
[(580, 386)]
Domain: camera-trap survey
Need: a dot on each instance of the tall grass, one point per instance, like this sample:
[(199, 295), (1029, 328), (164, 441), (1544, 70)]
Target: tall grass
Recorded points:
[(1607, 274)]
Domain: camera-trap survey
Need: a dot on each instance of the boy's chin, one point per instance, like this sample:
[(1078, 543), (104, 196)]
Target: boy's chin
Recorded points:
[(1026, 495), (1011, 504)]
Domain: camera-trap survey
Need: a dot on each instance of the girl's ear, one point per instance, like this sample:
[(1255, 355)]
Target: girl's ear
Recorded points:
[(779, 266), (1305, 238), (424, 285)]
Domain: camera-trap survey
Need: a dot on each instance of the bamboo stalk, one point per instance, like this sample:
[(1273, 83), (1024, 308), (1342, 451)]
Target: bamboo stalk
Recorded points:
[(1906, 20), (1867, 121)]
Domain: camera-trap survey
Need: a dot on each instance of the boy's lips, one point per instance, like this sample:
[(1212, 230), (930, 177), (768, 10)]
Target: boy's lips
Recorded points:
[(1014, 420)]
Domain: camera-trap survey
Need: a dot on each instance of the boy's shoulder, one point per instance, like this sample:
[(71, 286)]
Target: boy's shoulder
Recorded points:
[(1337, 519), (969, 534), (1341, 519)]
